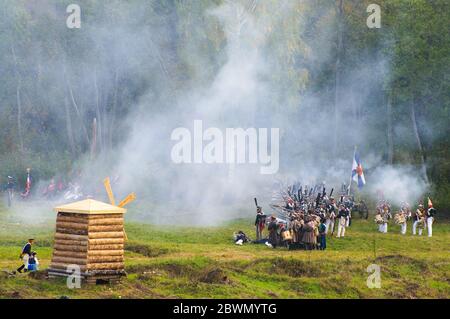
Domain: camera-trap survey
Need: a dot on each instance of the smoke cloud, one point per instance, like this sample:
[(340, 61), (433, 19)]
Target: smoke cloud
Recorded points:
[(247, 83)]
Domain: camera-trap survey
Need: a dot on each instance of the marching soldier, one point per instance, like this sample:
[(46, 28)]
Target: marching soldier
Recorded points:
[(403, 224), (386, 214), (419, 219), (407, 215), (400, 219), (405, 208)]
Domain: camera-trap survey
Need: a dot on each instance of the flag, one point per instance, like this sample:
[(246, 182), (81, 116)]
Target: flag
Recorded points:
[(430, 203), (357, 171), (28, 183)]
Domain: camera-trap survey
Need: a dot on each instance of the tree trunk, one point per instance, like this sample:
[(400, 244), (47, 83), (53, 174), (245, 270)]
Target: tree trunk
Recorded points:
[(419, 141), (99, 121), (19, 117), (75, 105), (337, 87), (94, 139), (390, 140), (18, 99), (69, 126), (113, 110)]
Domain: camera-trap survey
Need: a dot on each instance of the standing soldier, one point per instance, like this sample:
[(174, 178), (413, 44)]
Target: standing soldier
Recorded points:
[(259, 222), (331, 216), (400, 219), (309, 237), (419, 220), (322, 235), (386, 214), (406, 209), (430, 218), (342, 220), (273, 235)]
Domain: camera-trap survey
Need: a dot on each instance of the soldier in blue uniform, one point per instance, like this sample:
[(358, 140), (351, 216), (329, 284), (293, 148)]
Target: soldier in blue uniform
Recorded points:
[(25, 255), (342, 220), (322, 238)]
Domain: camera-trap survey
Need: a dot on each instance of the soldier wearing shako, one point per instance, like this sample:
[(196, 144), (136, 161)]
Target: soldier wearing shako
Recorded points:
[(273, 234), (403, 216), (400, 219), (342, 220), (330, 216), (386, 215), (430, 218), (260, 220), (419, 220)]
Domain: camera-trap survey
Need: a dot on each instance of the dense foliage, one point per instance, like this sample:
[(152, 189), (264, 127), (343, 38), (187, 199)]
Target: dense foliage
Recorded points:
[(391, 83)]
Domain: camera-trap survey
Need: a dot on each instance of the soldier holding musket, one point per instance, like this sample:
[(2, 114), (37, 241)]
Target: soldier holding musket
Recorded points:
[(260, 221)]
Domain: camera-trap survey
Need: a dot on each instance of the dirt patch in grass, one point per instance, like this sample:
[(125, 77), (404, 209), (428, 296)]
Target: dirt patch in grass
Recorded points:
[(294, 268), (199, 274), (214, 276), (397, 260), (146, 250), (180, 270), (207, 274), (39, 275)]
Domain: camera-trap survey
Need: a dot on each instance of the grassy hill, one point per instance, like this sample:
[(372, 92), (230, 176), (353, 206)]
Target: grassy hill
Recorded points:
[(203, 262)]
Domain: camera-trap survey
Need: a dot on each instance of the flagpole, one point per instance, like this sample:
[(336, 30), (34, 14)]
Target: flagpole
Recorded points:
[(351, 177)]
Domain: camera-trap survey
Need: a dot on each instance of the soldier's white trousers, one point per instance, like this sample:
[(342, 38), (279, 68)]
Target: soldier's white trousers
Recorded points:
[(329, 225), (430, 226), (341, 227), (403, 229), (415, 227)]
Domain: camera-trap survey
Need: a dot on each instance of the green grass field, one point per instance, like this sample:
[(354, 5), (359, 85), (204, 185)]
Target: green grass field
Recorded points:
[(203, 262)]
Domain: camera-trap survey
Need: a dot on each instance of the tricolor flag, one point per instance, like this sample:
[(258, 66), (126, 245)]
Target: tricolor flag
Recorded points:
[(357, 171), (430, 203)]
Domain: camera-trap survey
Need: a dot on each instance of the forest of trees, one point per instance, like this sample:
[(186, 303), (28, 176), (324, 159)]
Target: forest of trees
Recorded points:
[(64, 93)]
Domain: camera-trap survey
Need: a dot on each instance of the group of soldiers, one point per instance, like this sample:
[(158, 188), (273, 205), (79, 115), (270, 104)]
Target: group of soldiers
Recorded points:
[(305, 216), (422, 218)]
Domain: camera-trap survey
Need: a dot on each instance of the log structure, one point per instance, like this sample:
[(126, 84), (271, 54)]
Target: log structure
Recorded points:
[(89, 234)]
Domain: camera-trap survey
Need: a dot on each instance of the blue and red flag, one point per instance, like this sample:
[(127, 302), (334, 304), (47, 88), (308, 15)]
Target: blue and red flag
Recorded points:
[(357, 171)]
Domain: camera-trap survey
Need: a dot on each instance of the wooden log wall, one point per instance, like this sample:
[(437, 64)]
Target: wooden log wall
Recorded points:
[(93, 242)]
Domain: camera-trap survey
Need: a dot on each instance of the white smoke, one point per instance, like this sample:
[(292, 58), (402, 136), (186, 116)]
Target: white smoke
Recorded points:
[(252, 79), (398, 184)]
